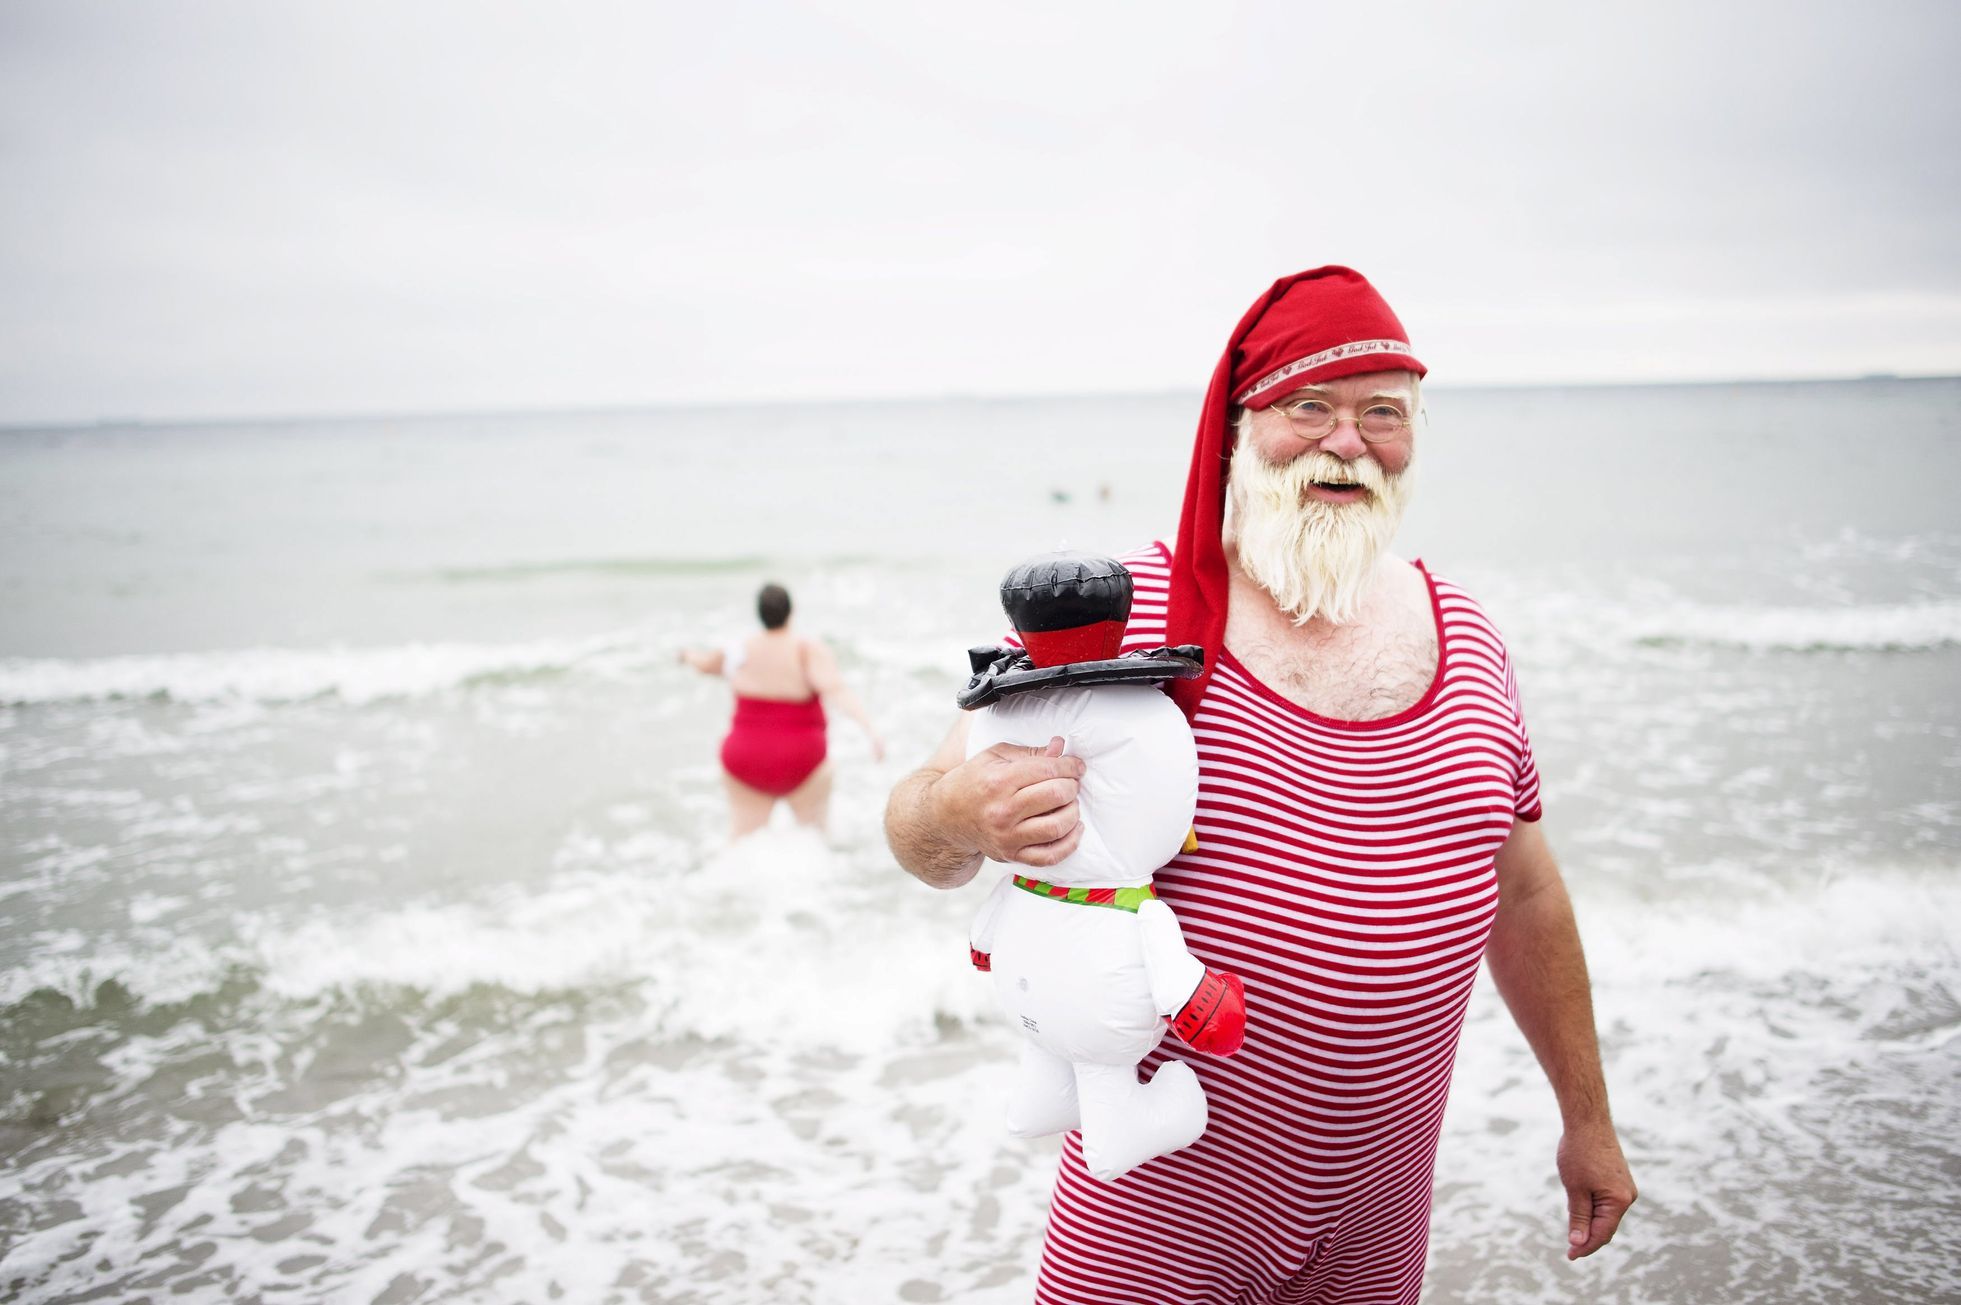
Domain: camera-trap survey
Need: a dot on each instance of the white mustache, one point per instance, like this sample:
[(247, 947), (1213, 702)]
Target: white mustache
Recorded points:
[(1316, 467)]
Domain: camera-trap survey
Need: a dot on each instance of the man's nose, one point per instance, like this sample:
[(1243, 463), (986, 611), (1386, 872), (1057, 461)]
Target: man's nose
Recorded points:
[(1345, 440)]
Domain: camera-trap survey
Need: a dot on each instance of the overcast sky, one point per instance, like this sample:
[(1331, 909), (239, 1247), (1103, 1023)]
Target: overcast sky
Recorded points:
[(230, 209)]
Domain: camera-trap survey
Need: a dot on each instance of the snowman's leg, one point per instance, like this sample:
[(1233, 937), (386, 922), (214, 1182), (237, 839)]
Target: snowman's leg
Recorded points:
[(1126, 1122), (1043, 1100)]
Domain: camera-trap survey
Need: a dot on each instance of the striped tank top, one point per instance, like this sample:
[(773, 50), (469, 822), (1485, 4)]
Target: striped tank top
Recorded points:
[(1344, 871)]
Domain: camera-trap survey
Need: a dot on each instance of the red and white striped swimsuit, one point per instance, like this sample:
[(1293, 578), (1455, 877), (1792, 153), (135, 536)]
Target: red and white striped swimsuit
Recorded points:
[(1344, 870)]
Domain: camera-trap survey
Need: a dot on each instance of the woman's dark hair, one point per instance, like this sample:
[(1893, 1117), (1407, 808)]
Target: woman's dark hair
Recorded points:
[(773, 605)]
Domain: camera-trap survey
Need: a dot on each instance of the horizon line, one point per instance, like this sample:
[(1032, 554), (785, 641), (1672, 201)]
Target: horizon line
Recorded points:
[(9, 427)]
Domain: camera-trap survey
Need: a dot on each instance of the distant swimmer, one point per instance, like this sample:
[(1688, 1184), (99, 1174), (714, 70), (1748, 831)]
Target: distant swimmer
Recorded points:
[(776, 744)]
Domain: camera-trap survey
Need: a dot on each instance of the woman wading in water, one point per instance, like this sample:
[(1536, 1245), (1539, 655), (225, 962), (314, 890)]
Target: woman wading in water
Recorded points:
[(776, 747)]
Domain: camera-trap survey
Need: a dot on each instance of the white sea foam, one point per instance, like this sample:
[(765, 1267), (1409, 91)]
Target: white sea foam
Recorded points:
[(781, 940), (357, 675), (1936, 548), (1905, 627), (365, 675), (153, 965), (757, 1167), (371, 674), (705, 1175), (1846, 921), (777, 940), (1562, 628)]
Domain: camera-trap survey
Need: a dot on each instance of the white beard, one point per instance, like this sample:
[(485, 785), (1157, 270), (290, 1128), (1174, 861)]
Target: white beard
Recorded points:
[(1314, 558)]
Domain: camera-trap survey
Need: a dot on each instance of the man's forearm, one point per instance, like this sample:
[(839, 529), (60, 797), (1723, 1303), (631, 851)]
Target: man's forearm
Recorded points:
[(1535, 958), (1540, 970), (919, 841)]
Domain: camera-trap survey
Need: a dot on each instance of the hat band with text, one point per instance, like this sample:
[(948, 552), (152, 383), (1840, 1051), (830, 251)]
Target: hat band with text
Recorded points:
[(1356, 348)]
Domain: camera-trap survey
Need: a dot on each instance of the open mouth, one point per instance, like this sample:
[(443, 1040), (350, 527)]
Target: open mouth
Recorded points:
[(1336, 489)]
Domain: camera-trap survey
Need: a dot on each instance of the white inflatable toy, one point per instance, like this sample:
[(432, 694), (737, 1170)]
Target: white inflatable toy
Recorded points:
[(1086, 960)]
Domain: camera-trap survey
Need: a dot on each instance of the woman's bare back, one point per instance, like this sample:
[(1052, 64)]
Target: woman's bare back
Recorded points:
[(775, 666)]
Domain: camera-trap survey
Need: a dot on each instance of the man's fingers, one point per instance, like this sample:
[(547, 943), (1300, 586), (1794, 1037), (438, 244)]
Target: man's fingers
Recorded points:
[(1008, 818), (1577, 1223), (1027, 799), (1017, 751), (1048, 826), (1039, 799), (1048, 854), (1039, 763), (1588, 1231)]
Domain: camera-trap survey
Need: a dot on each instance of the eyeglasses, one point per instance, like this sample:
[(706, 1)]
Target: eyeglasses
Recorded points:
[(1314, 419)]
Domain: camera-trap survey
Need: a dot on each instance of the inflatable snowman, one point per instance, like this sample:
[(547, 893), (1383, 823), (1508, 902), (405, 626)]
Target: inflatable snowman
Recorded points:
[(1086, 960)]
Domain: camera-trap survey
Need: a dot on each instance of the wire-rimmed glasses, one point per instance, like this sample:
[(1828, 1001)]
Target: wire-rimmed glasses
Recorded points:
[(1314, 419)]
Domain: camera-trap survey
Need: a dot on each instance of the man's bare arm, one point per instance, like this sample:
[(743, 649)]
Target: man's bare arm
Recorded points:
[(1535, 958), (1006, 803)]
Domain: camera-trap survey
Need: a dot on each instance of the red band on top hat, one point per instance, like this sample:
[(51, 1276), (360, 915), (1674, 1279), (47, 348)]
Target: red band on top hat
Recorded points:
[(1314, 326), (1085, 643)]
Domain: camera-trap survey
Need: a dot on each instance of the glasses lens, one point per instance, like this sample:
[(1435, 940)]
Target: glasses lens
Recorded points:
[(1381, 423), (1310, 416)]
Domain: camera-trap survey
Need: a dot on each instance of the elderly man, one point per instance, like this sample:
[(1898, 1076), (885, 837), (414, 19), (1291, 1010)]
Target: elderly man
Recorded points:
[(1367, 829)]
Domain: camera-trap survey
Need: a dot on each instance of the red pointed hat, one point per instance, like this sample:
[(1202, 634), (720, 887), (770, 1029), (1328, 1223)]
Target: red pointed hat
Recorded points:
[(1313, 326)]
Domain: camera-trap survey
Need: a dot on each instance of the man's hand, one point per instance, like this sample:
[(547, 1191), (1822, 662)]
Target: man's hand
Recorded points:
[(1599, 1187), (1011, 803)]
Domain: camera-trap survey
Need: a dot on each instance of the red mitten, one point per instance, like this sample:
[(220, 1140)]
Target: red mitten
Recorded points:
[(982, 961), (1214, 1020)]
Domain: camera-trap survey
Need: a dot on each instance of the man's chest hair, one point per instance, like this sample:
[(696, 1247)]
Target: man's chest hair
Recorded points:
[(1365, 670)]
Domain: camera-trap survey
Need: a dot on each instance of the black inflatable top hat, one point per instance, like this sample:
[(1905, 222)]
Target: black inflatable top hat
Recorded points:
[(1069, 611)]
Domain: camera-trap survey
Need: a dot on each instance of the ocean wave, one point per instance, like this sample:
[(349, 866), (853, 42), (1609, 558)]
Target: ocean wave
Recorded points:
[(1906, 627), (1938, 548), (654, 567), (1848, 923), (1567, 625), (363, 675), (273, 675), (779, 940), (657, 568), (689, 932)]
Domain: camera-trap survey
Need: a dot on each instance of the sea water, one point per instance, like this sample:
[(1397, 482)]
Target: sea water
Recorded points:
[(368, 930)]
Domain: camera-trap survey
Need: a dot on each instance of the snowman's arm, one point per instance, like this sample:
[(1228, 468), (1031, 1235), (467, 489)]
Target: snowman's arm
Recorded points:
[(980, 937), (1207, 1008), (1174, 972)]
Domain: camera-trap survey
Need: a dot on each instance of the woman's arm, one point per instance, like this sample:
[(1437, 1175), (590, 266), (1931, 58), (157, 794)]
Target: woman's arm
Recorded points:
[(706, 660), (822, 667)]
